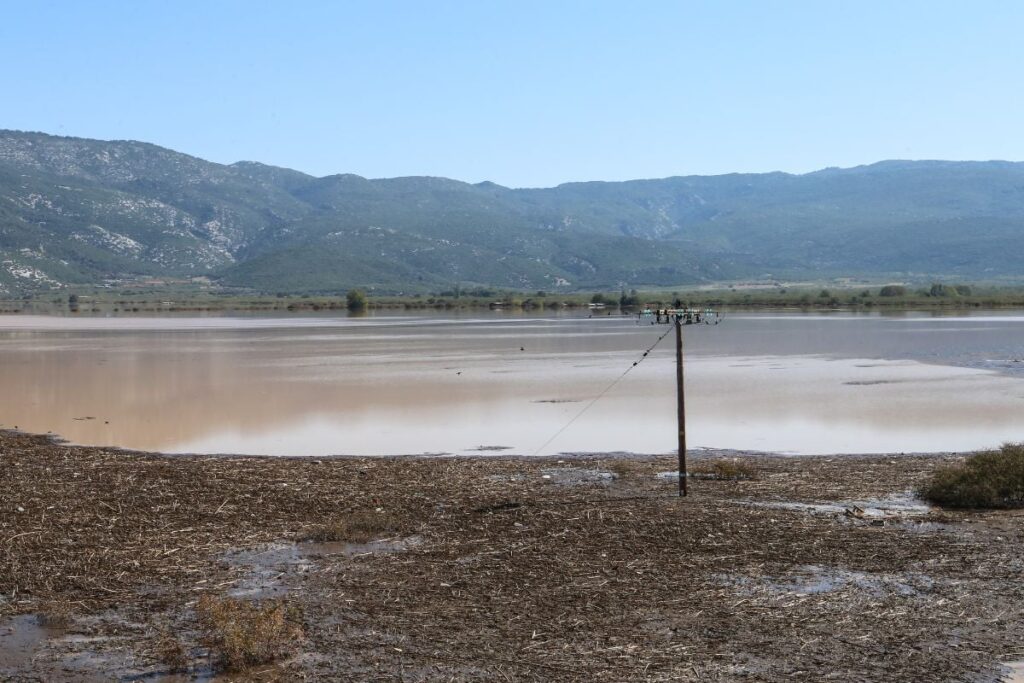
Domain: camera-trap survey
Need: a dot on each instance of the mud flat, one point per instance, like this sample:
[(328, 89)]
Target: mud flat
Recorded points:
[(499, 568)]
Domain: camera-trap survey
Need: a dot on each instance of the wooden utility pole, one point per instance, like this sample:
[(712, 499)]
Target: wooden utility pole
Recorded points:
[(680, 405)]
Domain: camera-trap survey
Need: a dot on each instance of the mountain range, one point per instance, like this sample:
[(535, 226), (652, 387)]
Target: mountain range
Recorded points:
[(77, 211)]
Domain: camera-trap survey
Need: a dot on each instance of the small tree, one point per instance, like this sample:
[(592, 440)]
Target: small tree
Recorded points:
[(356, 299), (631, 299), (892, 290)]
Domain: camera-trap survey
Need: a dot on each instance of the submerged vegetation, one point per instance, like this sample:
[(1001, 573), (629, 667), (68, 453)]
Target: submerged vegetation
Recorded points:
[(987, 479)]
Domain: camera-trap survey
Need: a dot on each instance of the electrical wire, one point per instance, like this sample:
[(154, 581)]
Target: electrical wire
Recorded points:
[(603, 392)]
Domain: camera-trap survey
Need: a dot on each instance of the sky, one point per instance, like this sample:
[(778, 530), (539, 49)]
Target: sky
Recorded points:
[(524, 93)]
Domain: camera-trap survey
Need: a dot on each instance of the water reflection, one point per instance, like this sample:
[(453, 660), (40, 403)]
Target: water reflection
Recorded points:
[(406, 384)]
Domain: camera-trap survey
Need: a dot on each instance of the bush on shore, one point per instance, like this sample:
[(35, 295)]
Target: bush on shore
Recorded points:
[(241, 634), (987, 479), (356, 300)]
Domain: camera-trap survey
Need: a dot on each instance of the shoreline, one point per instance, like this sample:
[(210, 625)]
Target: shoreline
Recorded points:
[(860, 299), (553, 567), (698, 453)]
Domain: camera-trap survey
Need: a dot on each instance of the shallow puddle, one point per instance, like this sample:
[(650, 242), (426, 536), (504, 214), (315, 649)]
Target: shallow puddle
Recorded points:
[(816, 579), (206, 674), (386, 545), (919, 526), (32, 650), (897, 506), (570, 476), (813, 579), (265, 569), (1015, 673), (268, 566), (22, 639)]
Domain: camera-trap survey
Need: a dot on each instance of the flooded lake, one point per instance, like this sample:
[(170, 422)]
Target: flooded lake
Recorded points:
[(497, 383)]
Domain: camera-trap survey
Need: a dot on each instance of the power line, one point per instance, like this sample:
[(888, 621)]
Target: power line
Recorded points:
[(603, 392)]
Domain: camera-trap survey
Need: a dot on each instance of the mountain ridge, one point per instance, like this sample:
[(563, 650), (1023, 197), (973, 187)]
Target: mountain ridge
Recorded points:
[(76, 211)]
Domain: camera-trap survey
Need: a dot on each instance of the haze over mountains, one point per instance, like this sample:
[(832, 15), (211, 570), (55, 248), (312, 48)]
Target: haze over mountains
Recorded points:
[(76, 211)]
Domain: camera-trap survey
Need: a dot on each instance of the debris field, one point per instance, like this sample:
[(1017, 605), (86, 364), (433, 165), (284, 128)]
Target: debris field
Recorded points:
[(576, 568)]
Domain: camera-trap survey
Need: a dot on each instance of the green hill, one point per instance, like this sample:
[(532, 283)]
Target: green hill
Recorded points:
[(76, 211)]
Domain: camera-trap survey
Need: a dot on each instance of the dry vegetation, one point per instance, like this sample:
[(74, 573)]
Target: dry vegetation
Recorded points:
[(357, 527), (513, 576), (170, 651), (241, 633), (725, 470)]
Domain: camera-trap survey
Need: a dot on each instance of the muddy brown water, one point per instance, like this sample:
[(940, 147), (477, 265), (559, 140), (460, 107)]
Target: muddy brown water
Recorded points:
[(495, 383)]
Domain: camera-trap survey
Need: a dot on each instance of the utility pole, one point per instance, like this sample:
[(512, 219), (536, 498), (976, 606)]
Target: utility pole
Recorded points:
[(680, 404)]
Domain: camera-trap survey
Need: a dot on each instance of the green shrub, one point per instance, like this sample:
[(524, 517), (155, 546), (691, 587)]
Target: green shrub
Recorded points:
[(987, 479), (356, 300)]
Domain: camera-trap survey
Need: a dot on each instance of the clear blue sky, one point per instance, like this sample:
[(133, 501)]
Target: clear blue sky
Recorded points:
[(524, 93)]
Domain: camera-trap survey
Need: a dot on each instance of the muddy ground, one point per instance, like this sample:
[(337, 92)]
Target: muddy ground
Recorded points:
[(582, 568)]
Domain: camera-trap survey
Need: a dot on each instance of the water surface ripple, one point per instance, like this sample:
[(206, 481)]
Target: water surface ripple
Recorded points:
[(480, 383)]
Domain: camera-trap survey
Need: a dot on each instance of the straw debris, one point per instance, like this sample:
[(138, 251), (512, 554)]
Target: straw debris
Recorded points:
[(725, 470), (510, 577), (358, 527)]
